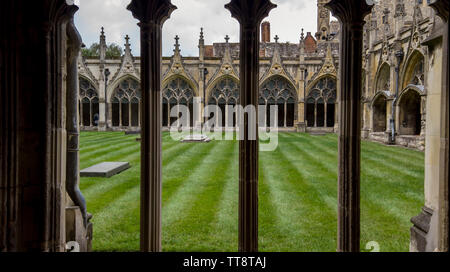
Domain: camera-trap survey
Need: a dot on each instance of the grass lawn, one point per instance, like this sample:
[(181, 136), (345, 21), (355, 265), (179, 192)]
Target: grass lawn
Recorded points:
[(297, 194)]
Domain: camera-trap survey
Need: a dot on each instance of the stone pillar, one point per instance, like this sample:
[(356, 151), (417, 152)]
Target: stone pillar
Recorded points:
[(351, 15), (249, 13), (430, 227), (32, 127), (151, 15)]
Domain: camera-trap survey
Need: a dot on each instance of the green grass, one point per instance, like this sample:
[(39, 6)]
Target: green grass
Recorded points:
[(297, 194)]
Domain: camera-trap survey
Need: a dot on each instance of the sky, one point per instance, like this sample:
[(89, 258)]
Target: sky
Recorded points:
[(286, 21)]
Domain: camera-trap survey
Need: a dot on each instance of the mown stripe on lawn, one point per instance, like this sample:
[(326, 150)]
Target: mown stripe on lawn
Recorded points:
[(115, 185), (308, 220), (225, 224), (116, 227), (191, 225)]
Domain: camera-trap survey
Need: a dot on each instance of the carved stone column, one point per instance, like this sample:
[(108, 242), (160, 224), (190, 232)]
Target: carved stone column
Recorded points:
[(151, 15), (32, 127), (249, 13), (442, 9), (351, 15)]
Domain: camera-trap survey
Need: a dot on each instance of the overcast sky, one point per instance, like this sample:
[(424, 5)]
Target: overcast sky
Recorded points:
[(286, 22)]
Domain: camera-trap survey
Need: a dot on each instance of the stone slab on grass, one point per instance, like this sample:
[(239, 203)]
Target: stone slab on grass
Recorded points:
[(105, 169), (196, 138)]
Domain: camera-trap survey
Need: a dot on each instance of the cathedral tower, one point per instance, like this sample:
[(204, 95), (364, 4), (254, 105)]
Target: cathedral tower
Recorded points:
[(323, 20)]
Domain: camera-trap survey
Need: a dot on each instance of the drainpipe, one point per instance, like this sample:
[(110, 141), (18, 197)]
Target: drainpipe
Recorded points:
[(399, 55), (73, 159)]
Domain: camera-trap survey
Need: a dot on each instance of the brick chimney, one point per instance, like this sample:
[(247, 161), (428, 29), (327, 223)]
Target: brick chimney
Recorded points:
[(265, 32)]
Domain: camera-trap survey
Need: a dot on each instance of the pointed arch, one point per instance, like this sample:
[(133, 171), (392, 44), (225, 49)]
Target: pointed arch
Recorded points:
[(88, 102), (190, 82), (321, 102), (409, 114), (125, 91), (383, 78), (379, 114), (414, 70), (177, 90), (112, 87), (279, 90)]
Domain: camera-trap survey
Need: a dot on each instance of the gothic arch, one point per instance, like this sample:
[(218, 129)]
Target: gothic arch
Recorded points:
[(379, 114), (414, 70), (88, 103), (321, 102), (224, 92), (191, 83), (212, 84), (112, 86), (383, 78), (278, 90), (177, 90), (125, 103), (410, 112)]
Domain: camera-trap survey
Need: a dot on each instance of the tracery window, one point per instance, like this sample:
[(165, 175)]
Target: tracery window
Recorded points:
[(278, 91), (320, 103), (225, 93), (418, 75), (88, 103), (177, 92), (125, 104)]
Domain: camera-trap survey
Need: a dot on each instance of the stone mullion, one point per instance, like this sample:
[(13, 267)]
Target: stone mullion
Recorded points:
[(285, 113), (151, 15), (315, 113), (249, 13), (351, 14), (129, 114), (120, 113)]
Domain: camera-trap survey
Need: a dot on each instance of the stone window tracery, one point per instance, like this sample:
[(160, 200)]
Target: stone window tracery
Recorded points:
[(88, 103), (125, 104), (320, 103), (177, 92), (279, 91)]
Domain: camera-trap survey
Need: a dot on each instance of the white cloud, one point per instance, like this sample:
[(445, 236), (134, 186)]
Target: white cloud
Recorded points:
[(286, 22)]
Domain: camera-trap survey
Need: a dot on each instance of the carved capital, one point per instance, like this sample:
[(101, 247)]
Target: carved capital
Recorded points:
[(441, 7), (350, 11), (156, 11), (250, 12)]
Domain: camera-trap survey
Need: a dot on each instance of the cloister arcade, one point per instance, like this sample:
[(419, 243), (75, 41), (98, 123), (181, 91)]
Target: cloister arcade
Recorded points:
[(32, 184)]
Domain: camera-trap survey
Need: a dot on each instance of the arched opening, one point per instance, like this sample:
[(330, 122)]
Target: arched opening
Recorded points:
[(125, 104), (95, 111), (165, 113), (331, 108), (410, 116), (225, 93), (279, 91), (310, 112), (290, 112), (320, 103), (134, 112), (86, 112), (89, 106), (125, 112), (379, 114), (178, 92), (115, 109), (320, 113)]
